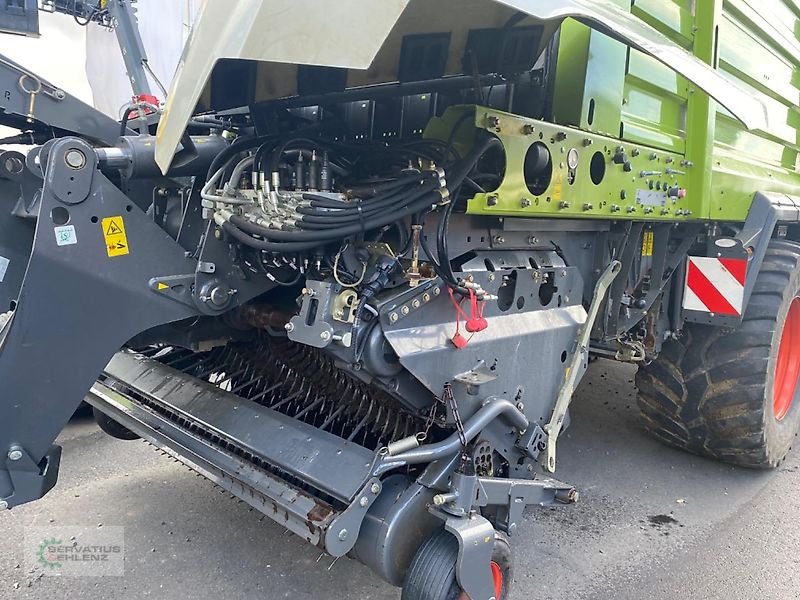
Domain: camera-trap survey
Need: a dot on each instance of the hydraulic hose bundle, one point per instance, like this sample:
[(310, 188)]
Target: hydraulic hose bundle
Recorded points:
[(324, 209)]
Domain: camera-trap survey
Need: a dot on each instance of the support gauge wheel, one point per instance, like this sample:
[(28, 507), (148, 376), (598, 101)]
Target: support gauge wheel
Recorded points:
[(432, 574), (111, 427)]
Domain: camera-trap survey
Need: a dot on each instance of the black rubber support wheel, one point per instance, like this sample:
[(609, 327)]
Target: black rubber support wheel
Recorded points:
[(111, 427), (729, 394), (432, 574)]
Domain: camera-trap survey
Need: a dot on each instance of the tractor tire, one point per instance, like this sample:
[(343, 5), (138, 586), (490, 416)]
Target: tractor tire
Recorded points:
[(432, 574), (111, 427), (730, 395)]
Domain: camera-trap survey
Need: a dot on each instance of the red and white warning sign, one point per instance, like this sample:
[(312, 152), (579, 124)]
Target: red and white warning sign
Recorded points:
[(715, 285)]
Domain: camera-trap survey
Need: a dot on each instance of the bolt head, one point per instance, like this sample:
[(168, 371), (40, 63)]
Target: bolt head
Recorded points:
[(3, 505), (75, 159), (364, 502), (426, 297), (375, 488), (393, 318), (289, 327), (219, 295), (437, 291), (405, 310), (342, 535), (14, 454), (325, 336), (416, 304)]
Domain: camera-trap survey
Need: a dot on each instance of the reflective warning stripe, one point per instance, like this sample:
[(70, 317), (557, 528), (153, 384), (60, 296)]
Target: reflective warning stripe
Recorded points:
[(715, 285)]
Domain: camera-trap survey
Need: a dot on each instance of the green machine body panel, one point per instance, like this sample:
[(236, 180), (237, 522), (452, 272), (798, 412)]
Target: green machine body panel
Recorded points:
[(616, 102), (584, 175)]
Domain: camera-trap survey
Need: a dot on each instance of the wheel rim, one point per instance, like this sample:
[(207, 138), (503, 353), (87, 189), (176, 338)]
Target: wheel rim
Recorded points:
[(497, 579), (787, 370)]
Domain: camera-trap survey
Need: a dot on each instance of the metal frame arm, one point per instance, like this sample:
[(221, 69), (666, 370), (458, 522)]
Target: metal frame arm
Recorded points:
[(79, 303), (131, 45)]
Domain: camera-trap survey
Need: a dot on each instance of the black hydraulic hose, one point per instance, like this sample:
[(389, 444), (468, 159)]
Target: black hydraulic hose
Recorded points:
[(330, 219), (333, 219), (360, 205), (249, 241), (277, 154), (380, 188), (455, 180), (341, 220), (452, 138), (315, 239), (356, 210), (240, 145), (123, 126)]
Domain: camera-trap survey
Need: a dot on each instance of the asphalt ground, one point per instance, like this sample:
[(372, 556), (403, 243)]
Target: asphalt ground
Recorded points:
[(652, 523)]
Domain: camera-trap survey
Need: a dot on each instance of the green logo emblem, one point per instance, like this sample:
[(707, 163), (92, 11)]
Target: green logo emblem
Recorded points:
[(47, 558)]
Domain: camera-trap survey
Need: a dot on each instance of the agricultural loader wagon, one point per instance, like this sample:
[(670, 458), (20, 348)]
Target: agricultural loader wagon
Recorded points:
[(355, 271)]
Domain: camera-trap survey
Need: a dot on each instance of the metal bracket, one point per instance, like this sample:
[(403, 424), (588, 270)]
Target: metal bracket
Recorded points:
[(71, 287), (533, 441), (219, 267), (175, 287), (766, 211), (475, 537), (342, 534), (516, 494), (53, 107), (553, 428), (26, 474), (14, 167)]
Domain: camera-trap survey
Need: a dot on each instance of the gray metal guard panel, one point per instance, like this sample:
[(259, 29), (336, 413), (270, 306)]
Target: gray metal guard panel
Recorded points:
[(329, 463)]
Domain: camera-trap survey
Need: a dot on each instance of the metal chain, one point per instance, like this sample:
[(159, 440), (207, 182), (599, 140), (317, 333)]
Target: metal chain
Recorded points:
[(450, 400), (423, 435)]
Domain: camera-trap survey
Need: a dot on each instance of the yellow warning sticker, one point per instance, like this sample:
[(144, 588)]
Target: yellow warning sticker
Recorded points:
[(162, 286), (114, 234), (647, 244), (557, 188)]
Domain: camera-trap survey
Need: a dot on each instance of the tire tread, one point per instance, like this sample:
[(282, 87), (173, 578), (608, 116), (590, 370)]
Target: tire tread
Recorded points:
[(706, 392)]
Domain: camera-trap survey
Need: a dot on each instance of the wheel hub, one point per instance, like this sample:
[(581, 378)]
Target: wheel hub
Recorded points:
[(787, 370)]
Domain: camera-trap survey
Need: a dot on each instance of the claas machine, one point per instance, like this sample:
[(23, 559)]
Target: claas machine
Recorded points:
[(354, 270)]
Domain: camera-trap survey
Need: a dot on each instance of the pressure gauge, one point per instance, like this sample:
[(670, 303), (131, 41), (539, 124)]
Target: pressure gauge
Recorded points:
[(573, 158)]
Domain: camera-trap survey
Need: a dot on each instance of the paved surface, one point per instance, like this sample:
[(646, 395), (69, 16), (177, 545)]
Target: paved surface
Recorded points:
[(652, 523)]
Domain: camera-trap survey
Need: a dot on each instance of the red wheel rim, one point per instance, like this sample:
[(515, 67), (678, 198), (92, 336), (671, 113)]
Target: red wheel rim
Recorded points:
[(787, 370), (497, 579)]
